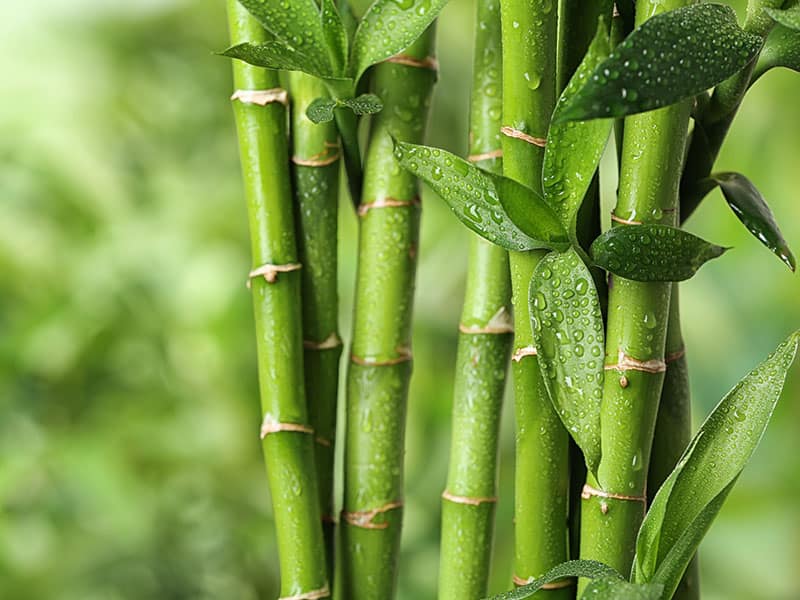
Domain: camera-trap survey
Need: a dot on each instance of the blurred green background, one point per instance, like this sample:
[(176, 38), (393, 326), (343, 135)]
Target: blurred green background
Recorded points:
[(130, 465)]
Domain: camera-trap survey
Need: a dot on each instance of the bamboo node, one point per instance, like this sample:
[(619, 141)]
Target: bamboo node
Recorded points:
[(471, 500), (525, 137), (672, 357), (589, 491), (323, 592), (320, 159), (628, 363), (485, 155), (499, 323), (261, 97), (270, 272), (271, 425), (521, 353), (387, 202), (363, 518), (367, 361), (624, 221), (332, 341), (429, 62), (553, 585), (323, 441)]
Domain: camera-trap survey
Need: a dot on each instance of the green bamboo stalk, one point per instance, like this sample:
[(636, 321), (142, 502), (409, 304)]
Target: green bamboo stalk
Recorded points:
[(316, 154), (529, 29), (288, 447), (673, 428), (380, 366), (484, 347), (613, 507)]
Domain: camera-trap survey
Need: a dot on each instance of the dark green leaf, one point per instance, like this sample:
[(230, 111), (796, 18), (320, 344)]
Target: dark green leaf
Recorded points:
[(591, 569), (613, 588), (782, 49), (670, 57), (692, 495), (388, 27), (568, 334), (652, 252), (277, 55), (574, 148), (750, 207), (335, 36), (321, 109), (789, 17), (300, 29), (482, 200)]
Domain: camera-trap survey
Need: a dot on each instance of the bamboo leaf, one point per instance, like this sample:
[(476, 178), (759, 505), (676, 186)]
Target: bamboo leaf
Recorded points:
[(782, 49), (482, 200), (652, 252), (574, 148), (277, 55), (591, 569), (300, 28), (613, 588), (694, 492), (568, 334), (789, 17), (750, 207), (335, 35), (388, 27), (670, 57), (321, 109)]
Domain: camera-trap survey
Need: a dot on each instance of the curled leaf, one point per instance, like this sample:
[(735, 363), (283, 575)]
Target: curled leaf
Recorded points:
[(321, 109), (590, 569), (497, 208), (613, 588), (782, 49), (568, 334), (750, 207), (279, 56), (652, 252), (789, 17), (672, 56)]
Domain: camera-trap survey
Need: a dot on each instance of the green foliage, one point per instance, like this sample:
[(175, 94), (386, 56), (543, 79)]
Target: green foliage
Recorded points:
[(752, 210), (652, 252), (670, 57), (335, 35), (574, 148), (495, 207), (321, 110), (782, 49), (789, 17), (614, 588), (591, 569), (277, 55), (693, 494), (570, 341)]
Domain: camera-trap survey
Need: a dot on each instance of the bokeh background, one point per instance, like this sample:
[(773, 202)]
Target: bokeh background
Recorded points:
[(130, 466)]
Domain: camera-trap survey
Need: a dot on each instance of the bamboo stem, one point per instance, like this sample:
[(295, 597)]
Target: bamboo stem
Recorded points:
[(316, 157), (652, 155), (529, 29), (380, 366), (287, 445), (484, 347)]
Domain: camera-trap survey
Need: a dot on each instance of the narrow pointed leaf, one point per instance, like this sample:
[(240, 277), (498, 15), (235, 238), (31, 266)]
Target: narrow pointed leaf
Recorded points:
[(277, 55), (300, 28), (782, 49), (750, 207), (613, 588), (670, 57), (652, 252), (590, 569), (574, 148), (694, 492), (568, 334), (335, 36), (388, 27), (481, 200), (321, 109), (789, 17)]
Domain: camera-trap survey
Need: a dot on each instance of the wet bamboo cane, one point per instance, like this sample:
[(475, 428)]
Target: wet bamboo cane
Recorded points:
[(484, 345), (529, 31), (316, 157), (614, 504), (287, 437), (380, 361)]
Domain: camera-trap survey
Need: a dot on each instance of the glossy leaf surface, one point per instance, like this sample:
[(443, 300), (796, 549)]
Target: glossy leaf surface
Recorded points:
[(480, 199), (568, 334), (277, 55), (694, 492), (574, 148), (670, 57), (652, 252), (388, 27), (591, 569), (782, 49), (321, 109), (614, 588), (789, 17), (335, 36), (750, 207)]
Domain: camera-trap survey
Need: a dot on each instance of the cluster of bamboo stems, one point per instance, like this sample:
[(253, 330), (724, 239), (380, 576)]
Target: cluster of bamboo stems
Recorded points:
[(526, 51)]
